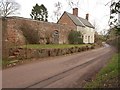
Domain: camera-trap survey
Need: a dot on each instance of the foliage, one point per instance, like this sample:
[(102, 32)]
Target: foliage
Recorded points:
[(99, 39), (114, 42), (39, 12), (114, 10), (74, 37), (113, 38), (31, 35), (8, 7), (108, 73), (112, 33)]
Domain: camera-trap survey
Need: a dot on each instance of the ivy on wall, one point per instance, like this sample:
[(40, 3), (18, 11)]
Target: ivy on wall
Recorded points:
[(31, 35)]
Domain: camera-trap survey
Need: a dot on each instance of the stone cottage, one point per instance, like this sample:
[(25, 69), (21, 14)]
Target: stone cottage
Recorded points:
[(80, 24)]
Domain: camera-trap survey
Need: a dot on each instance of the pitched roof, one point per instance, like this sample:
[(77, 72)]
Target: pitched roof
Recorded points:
[(80, 21)]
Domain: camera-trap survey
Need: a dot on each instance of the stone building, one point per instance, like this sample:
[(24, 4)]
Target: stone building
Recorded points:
[(80, 24)]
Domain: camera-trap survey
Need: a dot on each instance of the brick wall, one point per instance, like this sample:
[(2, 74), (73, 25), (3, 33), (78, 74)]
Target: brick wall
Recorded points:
[(14, 35), (66, 21)]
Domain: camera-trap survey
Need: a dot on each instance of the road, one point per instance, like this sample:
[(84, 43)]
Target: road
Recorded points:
[(57, 72)]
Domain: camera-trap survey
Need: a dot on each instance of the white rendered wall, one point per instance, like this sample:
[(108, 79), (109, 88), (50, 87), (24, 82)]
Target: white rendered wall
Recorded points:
[(88, 34)]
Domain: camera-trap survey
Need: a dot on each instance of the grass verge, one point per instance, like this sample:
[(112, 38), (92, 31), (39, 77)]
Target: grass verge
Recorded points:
[(40, 46), (108, 76)]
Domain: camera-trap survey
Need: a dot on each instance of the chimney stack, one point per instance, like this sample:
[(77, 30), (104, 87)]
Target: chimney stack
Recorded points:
[(87, 16), (75, 11)]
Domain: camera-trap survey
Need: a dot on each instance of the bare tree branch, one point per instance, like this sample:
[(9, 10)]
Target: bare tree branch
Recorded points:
[(73, 3), (57, 12), (8, 7)]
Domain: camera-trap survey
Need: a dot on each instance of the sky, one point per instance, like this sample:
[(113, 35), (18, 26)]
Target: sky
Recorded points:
[(98, 10)]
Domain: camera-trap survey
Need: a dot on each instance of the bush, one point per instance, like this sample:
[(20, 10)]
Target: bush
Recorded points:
[(115, 42), (74, 37), (30, 34)]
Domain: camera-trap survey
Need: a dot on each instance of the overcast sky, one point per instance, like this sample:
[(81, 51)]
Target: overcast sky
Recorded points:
[(98, 12)]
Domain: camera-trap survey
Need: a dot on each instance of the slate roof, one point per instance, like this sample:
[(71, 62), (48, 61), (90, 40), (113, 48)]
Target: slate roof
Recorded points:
[(80, 21)]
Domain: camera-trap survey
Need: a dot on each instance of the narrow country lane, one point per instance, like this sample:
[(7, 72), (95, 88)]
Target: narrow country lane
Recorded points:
[(57, 72)]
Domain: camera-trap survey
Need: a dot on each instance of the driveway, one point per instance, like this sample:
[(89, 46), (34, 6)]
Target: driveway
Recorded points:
[(57, 72)]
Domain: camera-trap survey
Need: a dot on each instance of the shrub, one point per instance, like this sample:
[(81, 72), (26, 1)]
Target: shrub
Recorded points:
[(74, 37), (30, 34)]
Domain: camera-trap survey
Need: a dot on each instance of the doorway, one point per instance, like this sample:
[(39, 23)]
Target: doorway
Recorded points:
[(55, 37)]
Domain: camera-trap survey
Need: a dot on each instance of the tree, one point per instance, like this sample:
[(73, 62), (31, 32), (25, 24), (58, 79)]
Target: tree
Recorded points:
[(8, 7), (114, 11), (73, 3), (39, 13), (57, 12)]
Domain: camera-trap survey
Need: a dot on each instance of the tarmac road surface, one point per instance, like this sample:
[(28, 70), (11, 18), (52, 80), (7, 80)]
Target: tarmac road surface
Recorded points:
[(57, 72)]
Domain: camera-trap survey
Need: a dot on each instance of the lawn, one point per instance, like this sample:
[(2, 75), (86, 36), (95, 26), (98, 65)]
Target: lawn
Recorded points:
[(39, 46), (108, 76)]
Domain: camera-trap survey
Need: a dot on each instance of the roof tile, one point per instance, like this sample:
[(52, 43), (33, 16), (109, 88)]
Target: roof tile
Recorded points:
[(80, 21)]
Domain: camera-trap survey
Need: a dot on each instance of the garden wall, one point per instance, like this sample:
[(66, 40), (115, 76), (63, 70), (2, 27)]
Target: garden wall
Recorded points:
[(15, 27)]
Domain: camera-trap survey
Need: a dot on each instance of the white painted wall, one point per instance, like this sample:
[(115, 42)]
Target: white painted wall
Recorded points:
[(88, 34)]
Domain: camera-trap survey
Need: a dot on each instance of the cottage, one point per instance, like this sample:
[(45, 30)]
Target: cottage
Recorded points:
[(80, 24)]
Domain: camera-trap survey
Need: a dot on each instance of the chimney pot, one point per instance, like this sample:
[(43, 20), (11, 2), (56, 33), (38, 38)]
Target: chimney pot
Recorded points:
[(75, 11), (87, 16)]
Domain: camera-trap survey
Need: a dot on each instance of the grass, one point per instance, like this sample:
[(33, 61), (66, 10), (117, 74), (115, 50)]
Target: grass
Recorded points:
[(107, 77), (0, 62), (39, 46), (4, 63)]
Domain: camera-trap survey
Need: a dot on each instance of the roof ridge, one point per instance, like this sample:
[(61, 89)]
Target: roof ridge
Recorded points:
[(72, 16), (83, 21)]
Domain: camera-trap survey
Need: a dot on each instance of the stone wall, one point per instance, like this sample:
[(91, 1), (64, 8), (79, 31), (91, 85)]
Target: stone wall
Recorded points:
[(14, 34), (20, 55), (28, 53)]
